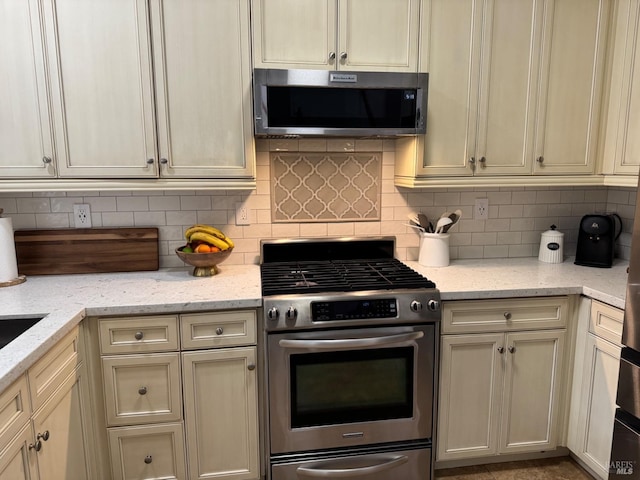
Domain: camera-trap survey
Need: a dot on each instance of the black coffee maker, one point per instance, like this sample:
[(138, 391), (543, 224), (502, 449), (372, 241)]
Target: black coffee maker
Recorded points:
[(596, 239)]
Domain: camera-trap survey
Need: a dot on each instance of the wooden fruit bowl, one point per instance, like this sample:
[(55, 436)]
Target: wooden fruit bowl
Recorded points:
[(205, 264)]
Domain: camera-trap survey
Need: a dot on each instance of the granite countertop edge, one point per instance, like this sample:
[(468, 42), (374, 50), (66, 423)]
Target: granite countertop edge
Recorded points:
[(65, 300)]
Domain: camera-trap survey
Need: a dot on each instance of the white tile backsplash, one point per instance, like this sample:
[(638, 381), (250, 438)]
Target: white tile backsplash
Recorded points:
[(517, 216)]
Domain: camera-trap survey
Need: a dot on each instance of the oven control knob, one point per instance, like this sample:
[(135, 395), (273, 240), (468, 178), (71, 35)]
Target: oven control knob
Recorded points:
[(416, 306), (273, 313), (433, 305), (292, 313)]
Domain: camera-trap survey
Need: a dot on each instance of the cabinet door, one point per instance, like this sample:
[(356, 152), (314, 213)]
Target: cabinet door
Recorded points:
[(294, 34), (25, 132), (571, 86), (453, 43), (101, 87), (18, 460), (471, 378), (598, 404), (533, 372), (220, 398), (622, 145), (64, 449), (203, 88), (508, 86), (378, 35)]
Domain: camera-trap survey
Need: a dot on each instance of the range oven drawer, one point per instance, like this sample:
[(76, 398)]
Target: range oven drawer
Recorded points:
[(393, 465)]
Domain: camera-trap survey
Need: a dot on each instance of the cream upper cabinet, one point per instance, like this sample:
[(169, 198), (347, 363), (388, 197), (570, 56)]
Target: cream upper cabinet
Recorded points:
[(621, 151), (26, 145), (510, 354), (509, 97), (101, 87), (202, 65), (359, 35)]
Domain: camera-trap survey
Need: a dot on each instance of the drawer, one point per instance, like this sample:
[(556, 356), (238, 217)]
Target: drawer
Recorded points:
[(218, 329), (606, 322), (469, 316), (155, 451), (14, 410), (139, 334), (56, 365), (142, 388)]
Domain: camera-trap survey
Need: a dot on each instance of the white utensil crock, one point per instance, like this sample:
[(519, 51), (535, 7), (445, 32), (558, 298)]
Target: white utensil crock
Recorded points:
[(434, 249)]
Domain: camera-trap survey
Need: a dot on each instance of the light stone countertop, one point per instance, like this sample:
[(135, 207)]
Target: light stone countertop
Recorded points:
[(65, 300)]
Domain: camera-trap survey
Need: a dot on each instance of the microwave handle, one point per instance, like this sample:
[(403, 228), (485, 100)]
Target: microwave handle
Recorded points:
[(319, 472), (349, 343)]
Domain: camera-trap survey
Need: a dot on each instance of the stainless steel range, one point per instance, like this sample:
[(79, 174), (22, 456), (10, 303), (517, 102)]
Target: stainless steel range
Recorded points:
[(351, 354)]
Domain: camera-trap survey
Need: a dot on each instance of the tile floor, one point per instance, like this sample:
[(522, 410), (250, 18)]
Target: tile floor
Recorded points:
[(560, 468)]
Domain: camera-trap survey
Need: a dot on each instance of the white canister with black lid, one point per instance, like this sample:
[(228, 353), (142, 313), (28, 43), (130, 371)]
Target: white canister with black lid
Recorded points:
[(551, 250)]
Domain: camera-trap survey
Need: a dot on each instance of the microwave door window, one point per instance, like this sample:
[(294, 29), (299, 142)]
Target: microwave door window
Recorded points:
[(340, 107), (344, 387)]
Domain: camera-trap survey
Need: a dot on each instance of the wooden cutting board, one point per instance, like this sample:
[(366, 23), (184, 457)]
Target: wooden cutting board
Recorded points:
[(86, 250)]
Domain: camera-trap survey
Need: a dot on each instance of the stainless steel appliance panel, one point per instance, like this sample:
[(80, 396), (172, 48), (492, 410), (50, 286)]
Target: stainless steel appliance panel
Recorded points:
[(399, 465), (306, 425)]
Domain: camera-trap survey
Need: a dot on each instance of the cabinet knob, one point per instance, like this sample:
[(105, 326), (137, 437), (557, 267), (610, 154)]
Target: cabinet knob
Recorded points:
[(46, 160), (139, 335), (148, 459), (507, 315), (332, 55), (164, 161), (511, 349), (251, 366), (219, 331), (343, 55), (483, 162), (472, 163), (500, 349), (44, 436), (540, 159), (150, 161), (36, 446), (142, 390)]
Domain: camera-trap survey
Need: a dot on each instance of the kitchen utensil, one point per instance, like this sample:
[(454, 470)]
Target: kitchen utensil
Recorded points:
[(551, 250), (442, 222), (455, 217), (205, 264), (417, 227), (423, 220)]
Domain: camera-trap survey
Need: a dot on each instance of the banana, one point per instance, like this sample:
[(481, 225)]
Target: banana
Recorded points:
[(208, 229), (210, 239)]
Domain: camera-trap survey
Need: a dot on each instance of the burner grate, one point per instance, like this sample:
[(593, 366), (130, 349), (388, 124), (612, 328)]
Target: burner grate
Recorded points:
[(281, 278)]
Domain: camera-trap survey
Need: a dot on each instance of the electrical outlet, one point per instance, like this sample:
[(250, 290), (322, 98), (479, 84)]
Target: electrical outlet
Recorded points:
[(242, 214), (82, 215), (481, 210)]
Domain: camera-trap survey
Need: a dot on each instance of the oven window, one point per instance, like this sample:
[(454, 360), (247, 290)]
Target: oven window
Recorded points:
[(351, 386)]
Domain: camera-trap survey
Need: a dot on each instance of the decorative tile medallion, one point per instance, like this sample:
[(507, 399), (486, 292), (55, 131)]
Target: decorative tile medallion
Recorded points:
[(325, 187)]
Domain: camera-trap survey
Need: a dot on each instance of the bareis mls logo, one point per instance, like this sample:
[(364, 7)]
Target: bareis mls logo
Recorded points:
[(621, 467)]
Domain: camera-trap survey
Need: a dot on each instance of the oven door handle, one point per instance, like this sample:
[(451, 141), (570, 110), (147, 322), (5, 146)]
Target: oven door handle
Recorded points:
[(349, 343), (387, 464)]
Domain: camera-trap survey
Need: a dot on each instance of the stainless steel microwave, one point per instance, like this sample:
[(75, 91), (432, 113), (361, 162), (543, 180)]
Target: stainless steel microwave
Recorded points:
[(301, 103)]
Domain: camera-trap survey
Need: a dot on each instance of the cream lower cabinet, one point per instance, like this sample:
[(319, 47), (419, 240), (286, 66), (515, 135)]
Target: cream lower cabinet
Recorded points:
[(56, 442), (500, 391), (181, 395), (369, 35), (595, 384)]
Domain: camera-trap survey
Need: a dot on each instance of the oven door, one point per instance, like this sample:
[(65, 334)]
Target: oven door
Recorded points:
[(353, 387)]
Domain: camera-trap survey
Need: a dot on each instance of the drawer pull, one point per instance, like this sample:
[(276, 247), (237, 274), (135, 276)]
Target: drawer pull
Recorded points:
[(251, 366), (507, 315), (44, 436), (148, 459), (139, 335), (219, 331), (511, 349), (500, 349), (142, 390)]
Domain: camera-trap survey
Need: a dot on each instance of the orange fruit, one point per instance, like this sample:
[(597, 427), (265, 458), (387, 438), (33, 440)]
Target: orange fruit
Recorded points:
[(203, 248), (215, 249)]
